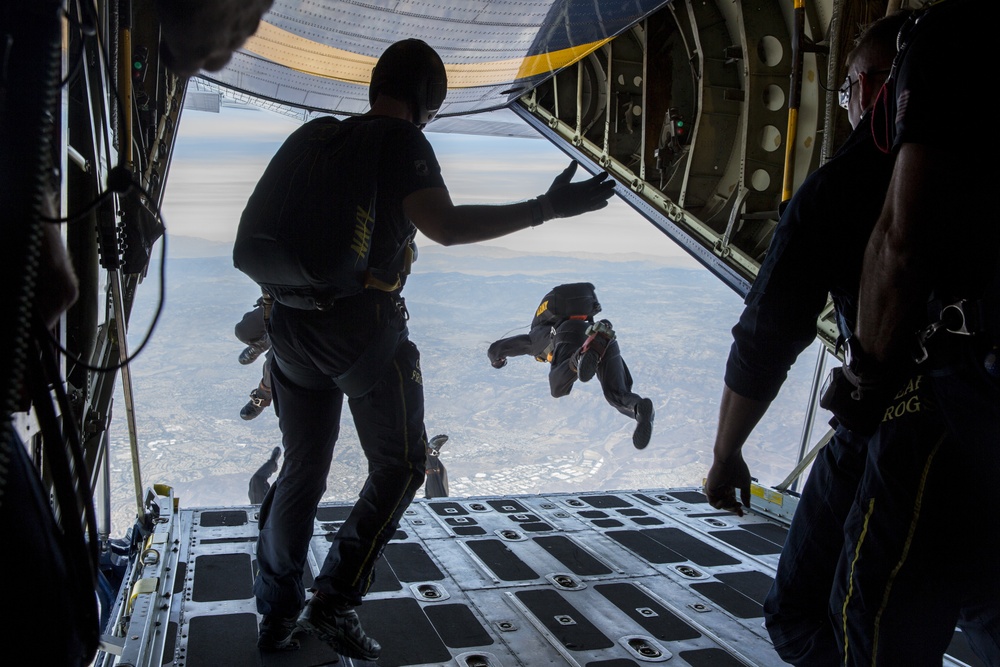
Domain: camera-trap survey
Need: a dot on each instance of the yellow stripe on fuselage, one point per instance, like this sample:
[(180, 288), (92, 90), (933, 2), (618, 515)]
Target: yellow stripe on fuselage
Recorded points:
[(304, 55)]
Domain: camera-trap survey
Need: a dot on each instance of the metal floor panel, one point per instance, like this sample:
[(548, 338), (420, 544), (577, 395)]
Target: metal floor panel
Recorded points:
[(604, 579)]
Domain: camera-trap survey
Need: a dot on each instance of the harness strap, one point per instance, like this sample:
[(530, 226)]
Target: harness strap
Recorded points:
[(390, 278), (267, 303), (371, 282), (964, 317)]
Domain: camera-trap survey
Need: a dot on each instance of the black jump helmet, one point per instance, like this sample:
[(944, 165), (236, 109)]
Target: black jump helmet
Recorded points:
[(411, 71)]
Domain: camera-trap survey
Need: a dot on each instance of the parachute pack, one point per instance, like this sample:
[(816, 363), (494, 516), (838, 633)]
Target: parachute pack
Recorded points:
[(305, 234), (572, 300)]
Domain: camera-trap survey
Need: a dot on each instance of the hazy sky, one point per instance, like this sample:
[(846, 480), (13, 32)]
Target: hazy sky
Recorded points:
[(219, 158)]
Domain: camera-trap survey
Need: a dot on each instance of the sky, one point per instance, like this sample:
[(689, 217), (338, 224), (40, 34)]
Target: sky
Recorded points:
[(218, 158)]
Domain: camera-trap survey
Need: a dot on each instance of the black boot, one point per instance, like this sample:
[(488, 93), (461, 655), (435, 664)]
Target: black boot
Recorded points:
[(599, 336), (250, 353), (338, 626), (277, 633), (260, 398), (644, 423)]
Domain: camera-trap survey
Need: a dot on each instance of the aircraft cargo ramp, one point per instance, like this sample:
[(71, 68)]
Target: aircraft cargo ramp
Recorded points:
[(599, 579)]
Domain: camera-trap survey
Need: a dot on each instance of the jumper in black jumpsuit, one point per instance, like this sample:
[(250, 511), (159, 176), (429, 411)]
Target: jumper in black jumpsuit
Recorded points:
[(557, 337), (250, 330)]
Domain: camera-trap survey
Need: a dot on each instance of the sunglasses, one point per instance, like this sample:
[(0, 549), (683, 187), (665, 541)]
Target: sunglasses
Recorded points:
[(844, 92)]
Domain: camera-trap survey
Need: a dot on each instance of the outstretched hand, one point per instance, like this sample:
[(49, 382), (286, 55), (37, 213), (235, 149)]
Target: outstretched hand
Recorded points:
[(497, 360), (724, 477), (565, 199)]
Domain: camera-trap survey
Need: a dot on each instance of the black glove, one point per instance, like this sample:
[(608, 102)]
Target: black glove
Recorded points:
[(565, 199)]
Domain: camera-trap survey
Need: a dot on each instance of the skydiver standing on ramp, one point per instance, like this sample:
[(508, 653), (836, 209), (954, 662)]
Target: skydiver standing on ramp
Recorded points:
[(328, 345)]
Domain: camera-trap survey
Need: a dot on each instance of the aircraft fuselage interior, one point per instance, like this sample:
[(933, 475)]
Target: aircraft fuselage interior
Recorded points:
[(708, 114)]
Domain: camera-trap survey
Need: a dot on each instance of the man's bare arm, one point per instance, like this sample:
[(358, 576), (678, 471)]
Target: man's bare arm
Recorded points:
[(897, 269), (738, 416), (434, 214)]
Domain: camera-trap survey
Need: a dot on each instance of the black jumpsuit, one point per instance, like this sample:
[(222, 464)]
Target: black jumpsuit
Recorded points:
[(313, 350), (557, 331)]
